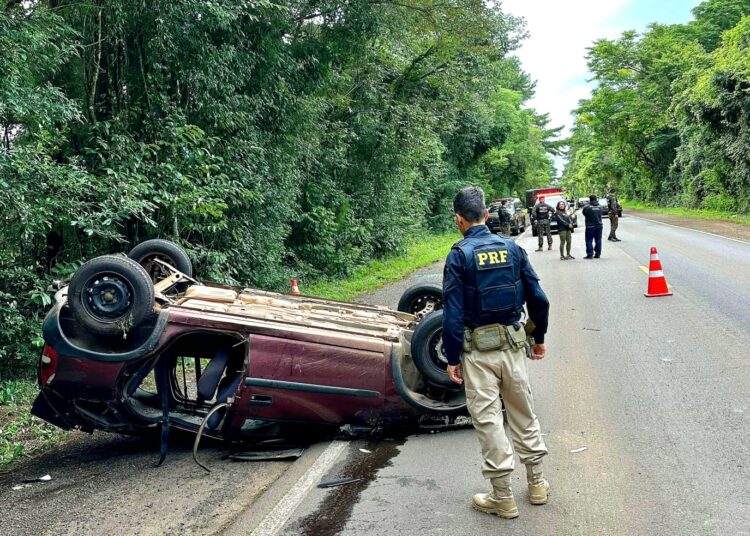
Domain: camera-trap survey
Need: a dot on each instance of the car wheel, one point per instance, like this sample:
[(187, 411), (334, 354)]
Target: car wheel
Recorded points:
[(109, 295), (427, 350), (420, 300), (149, 252)]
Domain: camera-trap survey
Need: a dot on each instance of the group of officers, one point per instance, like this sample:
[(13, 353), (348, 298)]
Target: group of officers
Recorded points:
[(495, 316), (542, 214)]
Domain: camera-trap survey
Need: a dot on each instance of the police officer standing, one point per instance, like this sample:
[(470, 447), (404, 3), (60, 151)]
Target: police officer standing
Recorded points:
[(504, 217), (542, 213), (613, 206), (593, 214), (487, 281)]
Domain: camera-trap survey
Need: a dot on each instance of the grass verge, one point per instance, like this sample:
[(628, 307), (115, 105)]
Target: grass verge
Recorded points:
[(714, 215), (375, 274), (22, 434)]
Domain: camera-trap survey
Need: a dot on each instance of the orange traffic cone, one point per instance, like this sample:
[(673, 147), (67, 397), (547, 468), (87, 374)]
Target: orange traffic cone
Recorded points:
[(657, 283), (295, 288)]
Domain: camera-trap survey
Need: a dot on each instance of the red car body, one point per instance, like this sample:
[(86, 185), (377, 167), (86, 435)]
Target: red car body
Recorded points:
[(280, 364)]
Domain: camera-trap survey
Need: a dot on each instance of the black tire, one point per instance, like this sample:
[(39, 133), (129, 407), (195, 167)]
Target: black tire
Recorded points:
[(415, 299), (426, 350), (109, 295), (164, 250)]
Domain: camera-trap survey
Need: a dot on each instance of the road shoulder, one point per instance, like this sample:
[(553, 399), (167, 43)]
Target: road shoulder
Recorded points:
[(726, 229)]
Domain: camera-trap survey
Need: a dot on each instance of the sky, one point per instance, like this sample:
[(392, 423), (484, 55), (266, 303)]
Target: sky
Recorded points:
[(560, 31)]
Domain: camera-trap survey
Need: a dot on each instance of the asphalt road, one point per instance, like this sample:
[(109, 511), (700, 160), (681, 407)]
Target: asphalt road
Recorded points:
[(656, 390)]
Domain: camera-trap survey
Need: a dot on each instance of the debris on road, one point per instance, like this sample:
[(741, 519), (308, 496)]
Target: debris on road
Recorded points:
[(267, 455), (576, 451), (45, 478), (365, 451), (339, 482), (17, 488), (591, 329)]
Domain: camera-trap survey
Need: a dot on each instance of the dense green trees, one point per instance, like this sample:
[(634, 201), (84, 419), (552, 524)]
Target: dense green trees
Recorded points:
[(668, 120), (270, 138)]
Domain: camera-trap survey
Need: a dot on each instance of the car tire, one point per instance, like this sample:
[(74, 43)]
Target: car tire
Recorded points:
[(164, 250), (427, 350), (111, 294), (417, 298)]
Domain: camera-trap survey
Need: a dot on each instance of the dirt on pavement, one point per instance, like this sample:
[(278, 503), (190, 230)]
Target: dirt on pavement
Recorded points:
[(729, 229), (108, 484)]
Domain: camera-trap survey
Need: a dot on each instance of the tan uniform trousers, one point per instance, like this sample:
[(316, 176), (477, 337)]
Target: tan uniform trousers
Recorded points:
[(492, 376)]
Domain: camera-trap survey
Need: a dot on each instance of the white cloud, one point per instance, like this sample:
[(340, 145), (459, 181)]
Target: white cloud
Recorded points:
[(555, 52)]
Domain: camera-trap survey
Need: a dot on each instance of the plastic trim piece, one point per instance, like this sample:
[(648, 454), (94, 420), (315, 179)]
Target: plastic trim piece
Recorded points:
[(310, 387), (54, 336)]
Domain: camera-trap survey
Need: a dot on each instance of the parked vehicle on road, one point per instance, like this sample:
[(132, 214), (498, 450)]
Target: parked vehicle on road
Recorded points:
[(516, 212), (133, 343), (533, 195)]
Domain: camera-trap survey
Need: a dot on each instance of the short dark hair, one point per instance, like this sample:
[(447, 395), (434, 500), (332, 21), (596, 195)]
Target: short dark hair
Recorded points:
[(469, 204), (593, 198)]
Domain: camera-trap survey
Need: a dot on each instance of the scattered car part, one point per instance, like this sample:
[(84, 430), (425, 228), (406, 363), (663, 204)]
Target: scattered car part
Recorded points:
[(268, 455), (197, 441), (339, 482), (45, 478)]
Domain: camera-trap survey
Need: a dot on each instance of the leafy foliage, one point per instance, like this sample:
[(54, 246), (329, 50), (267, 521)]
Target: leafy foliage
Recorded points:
[(668, 120)]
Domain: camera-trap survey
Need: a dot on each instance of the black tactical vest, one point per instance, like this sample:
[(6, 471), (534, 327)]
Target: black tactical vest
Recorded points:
[(542, 212), (493, 291)]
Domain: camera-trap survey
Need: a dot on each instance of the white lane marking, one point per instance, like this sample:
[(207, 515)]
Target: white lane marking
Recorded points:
[(691, 229), (281, 513)]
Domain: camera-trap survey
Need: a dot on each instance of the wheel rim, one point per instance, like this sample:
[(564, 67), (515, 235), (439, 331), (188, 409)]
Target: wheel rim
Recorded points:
[(436, 350), (156, 271), (423, 305), (107, 297)]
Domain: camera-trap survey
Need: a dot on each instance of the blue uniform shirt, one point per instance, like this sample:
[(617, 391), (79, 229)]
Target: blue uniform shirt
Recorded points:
[(487, 279)]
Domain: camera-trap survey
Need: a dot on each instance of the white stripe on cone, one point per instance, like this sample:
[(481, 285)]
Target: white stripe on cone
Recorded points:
[(654, 256), (656, 273)]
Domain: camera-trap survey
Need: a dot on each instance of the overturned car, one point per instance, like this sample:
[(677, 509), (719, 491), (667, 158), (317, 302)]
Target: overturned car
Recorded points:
[(134, 343)]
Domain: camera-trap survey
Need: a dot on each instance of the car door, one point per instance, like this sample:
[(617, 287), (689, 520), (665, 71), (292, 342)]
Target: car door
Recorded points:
[(309, 376)]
